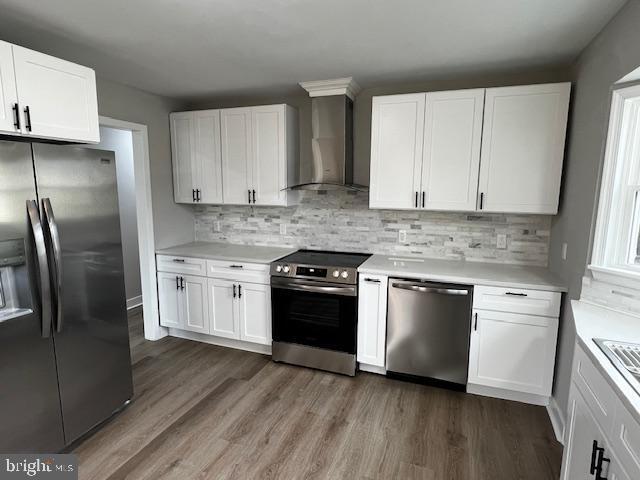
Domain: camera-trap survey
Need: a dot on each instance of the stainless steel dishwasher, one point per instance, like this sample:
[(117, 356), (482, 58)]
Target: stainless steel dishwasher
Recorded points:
[(428, 329)]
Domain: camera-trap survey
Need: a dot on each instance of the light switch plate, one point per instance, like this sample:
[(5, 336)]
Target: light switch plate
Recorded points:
[(402, 236), (501, 241)]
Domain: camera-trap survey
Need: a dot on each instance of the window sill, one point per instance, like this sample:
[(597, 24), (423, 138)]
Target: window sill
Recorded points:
[(616, 276)]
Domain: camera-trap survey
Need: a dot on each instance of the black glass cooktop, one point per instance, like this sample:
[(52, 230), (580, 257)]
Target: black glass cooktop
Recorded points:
[(326, 259)]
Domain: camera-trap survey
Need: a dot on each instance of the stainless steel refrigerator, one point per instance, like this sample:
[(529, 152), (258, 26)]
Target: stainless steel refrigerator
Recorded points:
[(64, 341)]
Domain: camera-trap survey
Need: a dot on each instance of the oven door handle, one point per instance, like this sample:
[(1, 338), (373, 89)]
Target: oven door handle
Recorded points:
[(349, 291)]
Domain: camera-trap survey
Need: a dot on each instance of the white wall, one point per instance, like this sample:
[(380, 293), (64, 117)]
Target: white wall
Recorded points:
[(121, 143)]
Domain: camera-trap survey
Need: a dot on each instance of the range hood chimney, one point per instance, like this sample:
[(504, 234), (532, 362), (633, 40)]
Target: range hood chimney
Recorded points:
[(332, 135)]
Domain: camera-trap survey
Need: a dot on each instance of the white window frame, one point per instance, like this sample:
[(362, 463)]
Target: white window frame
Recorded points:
[(612, 247)]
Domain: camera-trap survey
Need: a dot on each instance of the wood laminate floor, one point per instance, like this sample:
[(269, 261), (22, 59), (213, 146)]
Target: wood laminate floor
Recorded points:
[(202, 411)]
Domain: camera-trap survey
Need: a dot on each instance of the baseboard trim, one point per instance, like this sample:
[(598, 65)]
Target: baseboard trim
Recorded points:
[(364, 367), (134, 302), (557, 419), (508, 394), (221, 341)]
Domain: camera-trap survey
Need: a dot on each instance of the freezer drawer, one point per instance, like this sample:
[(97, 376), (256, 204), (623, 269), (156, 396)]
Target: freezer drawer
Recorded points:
[(428, 328)]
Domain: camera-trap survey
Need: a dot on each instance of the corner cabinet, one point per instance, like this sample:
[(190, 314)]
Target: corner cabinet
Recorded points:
[(45, 97), (494, 150), (235, 156)]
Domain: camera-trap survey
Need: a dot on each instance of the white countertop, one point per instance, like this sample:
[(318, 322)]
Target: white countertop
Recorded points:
[(592, 322), (462, 272), (228, 252)]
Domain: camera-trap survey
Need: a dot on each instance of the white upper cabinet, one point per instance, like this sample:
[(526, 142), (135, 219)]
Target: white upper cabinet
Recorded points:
[(9, 115), (495, 150), (397, 132), (182, 150), (236, 155), (523, 148), (57, 98), (451, 155), (208, 163), (195, 148)]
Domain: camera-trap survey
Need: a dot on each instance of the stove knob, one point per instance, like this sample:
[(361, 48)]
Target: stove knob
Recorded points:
[(345, 274), (286, 269), (278, 268), (336, 273)]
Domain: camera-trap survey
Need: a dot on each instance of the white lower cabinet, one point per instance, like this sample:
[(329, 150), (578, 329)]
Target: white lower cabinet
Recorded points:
[(372, 319), (230, 307), (513, 351), (183, 302), (589, 429)]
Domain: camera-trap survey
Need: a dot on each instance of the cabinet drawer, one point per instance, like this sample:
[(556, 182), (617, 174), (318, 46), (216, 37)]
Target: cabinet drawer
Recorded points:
[(594, 388), (184, 265), (517, 300), (626, 441), (239, 271)]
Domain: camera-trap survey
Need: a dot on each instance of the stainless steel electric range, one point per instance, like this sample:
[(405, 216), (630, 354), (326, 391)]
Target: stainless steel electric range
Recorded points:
[(314, 299)]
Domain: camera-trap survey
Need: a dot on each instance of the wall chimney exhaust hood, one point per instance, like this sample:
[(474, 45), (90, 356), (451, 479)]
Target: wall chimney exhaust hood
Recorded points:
[(332, 135)]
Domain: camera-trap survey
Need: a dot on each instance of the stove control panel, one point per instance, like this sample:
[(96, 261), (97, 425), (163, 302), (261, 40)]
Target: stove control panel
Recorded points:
[(314, 272)]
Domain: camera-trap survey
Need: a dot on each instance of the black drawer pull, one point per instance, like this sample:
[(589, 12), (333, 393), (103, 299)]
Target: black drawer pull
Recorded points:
[(372, 280), (235, 266), (16, 112), (178, 260), (27, 118), (513, 294)]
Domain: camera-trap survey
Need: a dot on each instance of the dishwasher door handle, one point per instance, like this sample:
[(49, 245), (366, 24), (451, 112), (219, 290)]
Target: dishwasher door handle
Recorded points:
[(423, 289)]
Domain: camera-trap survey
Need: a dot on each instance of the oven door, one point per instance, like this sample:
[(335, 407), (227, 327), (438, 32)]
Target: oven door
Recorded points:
[(317, 314)]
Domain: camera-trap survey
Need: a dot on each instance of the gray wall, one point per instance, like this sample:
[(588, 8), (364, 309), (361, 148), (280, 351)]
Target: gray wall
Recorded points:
[(173, 223), (121, 143), (611, 55), (362, 106)]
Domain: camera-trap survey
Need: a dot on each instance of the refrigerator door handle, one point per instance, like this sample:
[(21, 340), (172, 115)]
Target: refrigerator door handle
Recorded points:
[(43, 266), (52, 226)]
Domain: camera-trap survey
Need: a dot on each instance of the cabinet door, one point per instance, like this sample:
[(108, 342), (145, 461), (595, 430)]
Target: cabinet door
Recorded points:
[(207, 164), (8, 94), (451, 157), (512, 351), (372, 319), (168, 299), (223, 308), (397, 131), (236, 155), (182, 156), (523, 148), (582, 431), (194, 304), (61, 97), (269, 161), (255, 313)]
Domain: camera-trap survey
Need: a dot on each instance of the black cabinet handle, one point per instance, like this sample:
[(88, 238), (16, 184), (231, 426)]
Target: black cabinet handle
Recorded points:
[(239, 291), (234, 290), (193, 195), (481, 200), (181, 283), (416, 199), (177, 283), (199, 195), (254, 196), (16, 112), (513, 294), (235, 266), (475, 325), (595, 455), (423, 195), (602, 460), (249, 195), (27, 118), (372, 280)]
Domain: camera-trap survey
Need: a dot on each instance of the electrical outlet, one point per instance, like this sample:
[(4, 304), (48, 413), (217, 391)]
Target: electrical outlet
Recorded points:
[(564, 251), (216, 226), (283, 229), (501, 241), (402, 236)]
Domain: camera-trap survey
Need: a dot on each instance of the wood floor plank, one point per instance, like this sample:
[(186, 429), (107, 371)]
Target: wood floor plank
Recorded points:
[(207, 412)]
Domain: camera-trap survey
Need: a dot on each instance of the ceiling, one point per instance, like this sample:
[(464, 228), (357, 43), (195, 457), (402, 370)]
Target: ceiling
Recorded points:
[(194, 48)]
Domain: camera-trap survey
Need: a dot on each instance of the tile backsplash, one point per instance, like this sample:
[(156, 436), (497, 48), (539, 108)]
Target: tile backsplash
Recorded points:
[(341, 221)]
